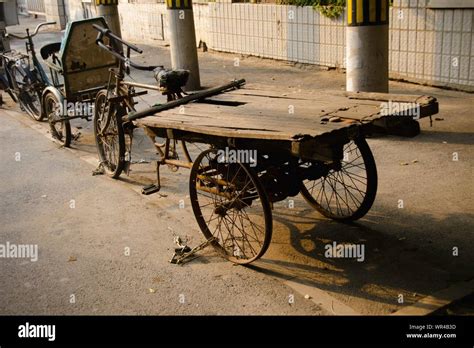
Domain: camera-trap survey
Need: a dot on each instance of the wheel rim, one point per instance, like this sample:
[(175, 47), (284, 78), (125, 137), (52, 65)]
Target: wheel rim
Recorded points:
[(53, 111), (347, 191), (32, 103), (107, 135), (230, 205)]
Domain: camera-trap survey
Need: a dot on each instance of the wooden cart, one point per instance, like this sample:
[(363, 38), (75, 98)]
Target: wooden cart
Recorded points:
[(267, 145), (256, 146)]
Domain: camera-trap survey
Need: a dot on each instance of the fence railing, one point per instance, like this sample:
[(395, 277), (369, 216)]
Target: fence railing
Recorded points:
[(35, 6)]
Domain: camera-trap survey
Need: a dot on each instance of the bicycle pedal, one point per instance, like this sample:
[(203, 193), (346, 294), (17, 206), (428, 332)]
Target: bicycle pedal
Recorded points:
[(150, 189)]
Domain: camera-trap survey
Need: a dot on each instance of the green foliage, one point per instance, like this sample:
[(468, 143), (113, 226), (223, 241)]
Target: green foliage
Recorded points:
[(329, 8)]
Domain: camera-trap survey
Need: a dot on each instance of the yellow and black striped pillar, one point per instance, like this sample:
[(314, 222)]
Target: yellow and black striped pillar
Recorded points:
[(179, 4), (106, 2), (367, 45), (109, 10), (183, 46), (367, 12)]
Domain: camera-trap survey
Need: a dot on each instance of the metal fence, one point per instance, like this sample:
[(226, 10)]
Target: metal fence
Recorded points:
[(35, 6)]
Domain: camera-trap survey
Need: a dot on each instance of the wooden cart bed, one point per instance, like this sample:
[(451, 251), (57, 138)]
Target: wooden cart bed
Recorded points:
[(259, 112)]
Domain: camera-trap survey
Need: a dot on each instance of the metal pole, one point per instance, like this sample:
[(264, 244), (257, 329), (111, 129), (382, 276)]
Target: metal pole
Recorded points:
[(183, 40), (207, 93), (109, 10), (367, 45)]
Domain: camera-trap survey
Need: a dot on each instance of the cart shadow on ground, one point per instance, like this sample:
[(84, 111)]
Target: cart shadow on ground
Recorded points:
[(392, 266)]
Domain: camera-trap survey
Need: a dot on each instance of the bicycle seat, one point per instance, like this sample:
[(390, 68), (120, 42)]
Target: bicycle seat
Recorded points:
[(49, 49), (172, 80)]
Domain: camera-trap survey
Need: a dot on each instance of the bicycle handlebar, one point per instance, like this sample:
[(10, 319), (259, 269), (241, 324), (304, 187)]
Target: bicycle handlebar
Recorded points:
[(34, 33), (104, 31)]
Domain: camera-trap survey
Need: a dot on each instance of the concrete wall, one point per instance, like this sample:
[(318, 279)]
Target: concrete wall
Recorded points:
[(290, 33), (55, 11), (433, 46), (153, 24)]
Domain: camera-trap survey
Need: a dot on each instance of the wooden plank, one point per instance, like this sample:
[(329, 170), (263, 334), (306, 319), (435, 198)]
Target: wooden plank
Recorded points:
[(262, 112), (230, 129), (386, 97), (199, 114)]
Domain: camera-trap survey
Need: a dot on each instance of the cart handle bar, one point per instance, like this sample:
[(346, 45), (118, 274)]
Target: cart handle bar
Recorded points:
[(189, 98), (107, 32), (104, 31), (27, 31)]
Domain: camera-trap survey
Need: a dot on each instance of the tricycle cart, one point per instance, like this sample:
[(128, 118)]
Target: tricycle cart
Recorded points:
[(79, 69), (263, 147)]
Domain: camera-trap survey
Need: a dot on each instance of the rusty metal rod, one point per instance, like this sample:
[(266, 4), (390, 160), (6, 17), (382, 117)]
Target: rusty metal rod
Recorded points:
[(215, 181), (141, 85), (189, 98), (178, 163), (214, 191)]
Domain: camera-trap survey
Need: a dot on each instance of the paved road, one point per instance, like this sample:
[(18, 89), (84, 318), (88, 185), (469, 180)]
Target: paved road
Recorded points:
[(409, 251), (107, 218)]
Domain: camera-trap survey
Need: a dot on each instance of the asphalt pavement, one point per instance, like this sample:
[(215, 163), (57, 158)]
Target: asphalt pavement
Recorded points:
[(111, 250)]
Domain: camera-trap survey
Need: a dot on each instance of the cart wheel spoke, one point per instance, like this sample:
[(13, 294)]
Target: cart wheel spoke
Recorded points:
[(230, 205), (109, 135), (60, 127), (346, 190)]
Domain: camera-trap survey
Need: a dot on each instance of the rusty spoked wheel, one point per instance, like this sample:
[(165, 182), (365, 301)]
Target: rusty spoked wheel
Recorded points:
[(230, 204), (109, 135), (58, 122), (347, 189)]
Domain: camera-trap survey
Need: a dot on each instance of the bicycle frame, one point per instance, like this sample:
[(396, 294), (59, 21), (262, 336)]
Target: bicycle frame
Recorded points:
[(30, 49), (124, 93), (8, 78)]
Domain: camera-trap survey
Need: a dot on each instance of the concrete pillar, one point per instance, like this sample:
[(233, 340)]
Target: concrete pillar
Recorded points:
[(367, 45), (109, 10), (183, 40)]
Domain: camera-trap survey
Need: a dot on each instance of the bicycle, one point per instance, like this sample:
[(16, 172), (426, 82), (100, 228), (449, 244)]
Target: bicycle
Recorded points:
[(117, 100), (23, 81)]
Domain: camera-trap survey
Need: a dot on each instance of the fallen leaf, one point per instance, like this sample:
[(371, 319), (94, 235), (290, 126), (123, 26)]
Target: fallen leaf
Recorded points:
[(151, 291), (403, 163), (72, 259), (307, 296), (414, 161)]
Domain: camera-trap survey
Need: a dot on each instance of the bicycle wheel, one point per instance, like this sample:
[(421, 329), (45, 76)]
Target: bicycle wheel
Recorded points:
[(109, 135), (28, 93), (60, 127), (230, 204), (347, 192)]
